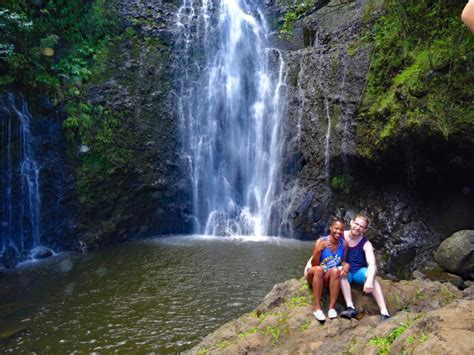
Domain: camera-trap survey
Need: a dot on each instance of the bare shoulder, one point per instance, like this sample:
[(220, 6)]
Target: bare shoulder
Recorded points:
[(317, 242), (368, 247)]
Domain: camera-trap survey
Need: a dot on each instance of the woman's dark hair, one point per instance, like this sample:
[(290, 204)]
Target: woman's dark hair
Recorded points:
[(336, 219)]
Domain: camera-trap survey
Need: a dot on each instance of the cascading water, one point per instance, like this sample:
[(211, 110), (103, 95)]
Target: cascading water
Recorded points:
[(327, 152), (230, 108), (345, 119), (21, 202)]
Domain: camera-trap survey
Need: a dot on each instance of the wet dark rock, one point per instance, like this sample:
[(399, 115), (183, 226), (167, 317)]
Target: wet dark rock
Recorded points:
[(456, 254), (59, 215), (152, 194), (438, 274), (41, 253), (401, 246), (10, 257), (323, 81), (469, 291), (13, 332)]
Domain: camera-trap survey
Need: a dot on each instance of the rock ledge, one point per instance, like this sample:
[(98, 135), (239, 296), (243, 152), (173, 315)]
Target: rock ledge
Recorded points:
[(426, 316)]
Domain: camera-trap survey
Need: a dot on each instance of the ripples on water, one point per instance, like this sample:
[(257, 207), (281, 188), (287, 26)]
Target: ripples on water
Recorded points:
[(156, 295)]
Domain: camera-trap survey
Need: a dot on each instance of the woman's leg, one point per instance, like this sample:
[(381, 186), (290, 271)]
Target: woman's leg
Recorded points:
[(315, 278), (333, 282)]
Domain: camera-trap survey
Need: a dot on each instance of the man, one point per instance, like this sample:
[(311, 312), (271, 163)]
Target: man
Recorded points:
[(361, 259)]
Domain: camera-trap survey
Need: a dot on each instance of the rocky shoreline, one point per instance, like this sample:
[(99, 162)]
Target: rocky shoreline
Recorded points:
[(430, 313), (426, 317)]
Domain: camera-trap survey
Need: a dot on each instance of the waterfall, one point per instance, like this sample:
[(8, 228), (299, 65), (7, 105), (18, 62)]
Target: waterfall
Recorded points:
[(21, 202), (229, 105)]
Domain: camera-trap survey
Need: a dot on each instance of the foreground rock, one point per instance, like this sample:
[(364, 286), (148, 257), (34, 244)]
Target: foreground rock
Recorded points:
[(426, 316), (456, 254)]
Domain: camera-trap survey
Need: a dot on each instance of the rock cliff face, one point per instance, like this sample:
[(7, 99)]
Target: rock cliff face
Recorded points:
[(328, 60), (326, 78), (152, 194)]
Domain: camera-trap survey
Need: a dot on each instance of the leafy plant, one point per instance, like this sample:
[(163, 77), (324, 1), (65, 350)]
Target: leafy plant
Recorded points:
[(296, 10), (341, 183), (274, 332), (295, 302), (223, 344), (384, 343), (304, 326), (248, 332)]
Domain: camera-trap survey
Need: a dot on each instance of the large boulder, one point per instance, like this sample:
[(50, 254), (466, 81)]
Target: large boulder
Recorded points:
[(456, 254)]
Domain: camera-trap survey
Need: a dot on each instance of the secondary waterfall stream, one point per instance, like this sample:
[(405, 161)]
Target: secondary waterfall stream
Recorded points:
[(21, 203), (230, 88)]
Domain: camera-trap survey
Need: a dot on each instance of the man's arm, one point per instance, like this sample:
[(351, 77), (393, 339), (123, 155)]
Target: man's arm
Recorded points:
[(467, 15), (371, 266)]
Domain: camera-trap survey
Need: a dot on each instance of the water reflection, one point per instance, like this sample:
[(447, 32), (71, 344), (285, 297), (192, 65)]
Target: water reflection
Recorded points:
[(162, 294)]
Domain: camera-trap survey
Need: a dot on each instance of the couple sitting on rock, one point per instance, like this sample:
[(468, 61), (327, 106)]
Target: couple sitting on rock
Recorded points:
[(339, 259)]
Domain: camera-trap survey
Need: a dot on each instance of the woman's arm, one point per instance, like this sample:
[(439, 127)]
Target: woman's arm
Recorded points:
[(319, 246)]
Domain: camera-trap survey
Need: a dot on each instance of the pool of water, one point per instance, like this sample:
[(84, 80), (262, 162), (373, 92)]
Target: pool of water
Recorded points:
[(158, 295)]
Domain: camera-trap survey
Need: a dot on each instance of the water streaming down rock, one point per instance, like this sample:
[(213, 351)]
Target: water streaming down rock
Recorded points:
[(327, 152), (21, 200), (230, 88), (345, 134)]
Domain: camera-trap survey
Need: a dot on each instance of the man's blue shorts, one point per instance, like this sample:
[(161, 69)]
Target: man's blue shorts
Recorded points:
[(358, 277)]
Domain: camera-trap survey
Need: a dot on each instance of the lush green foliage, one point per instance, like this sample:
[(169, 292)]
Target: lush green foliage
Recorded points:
[(54, 48), (421, 73), (49, 45)]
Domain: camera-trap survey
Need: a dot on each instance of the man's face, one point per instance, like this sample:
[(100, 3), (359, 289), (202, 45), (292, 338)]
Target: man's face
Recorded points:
[(358, 226)]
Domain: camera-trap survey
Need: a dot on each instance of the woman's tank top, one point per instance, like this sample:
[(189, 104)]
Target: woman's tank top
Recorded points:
[(328, 259)]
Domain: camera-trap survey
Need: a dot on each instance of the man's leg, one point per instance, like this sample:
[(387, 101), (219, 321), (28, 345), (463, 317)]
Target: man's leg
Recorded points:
[(378, 295), (346, 292), (350, 311)]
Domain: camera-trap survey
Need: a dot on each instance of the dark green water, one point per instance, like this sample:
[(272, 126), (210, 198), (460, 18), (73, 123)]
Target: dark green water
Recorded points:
[(159, 295)]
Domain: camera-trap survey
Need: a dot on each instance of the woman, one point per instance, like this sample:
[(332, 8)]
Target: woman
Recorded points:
[(327, 266)]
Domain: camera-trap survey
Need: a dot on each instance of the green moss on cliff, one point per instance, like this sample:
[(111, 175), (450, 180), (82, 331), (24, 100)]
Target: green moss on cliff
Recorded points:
[(112, 135), (420, 78)]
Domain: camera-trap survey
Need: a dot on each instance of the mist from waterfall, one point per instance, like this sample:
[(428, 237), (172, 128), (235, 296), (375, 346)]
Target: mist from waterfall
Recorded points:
[(230, 87)]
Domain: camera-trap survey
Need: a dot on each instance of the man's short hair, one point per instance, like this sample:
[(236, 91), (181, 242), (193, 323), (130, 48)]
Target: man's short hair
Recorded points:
[(363, 216)]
